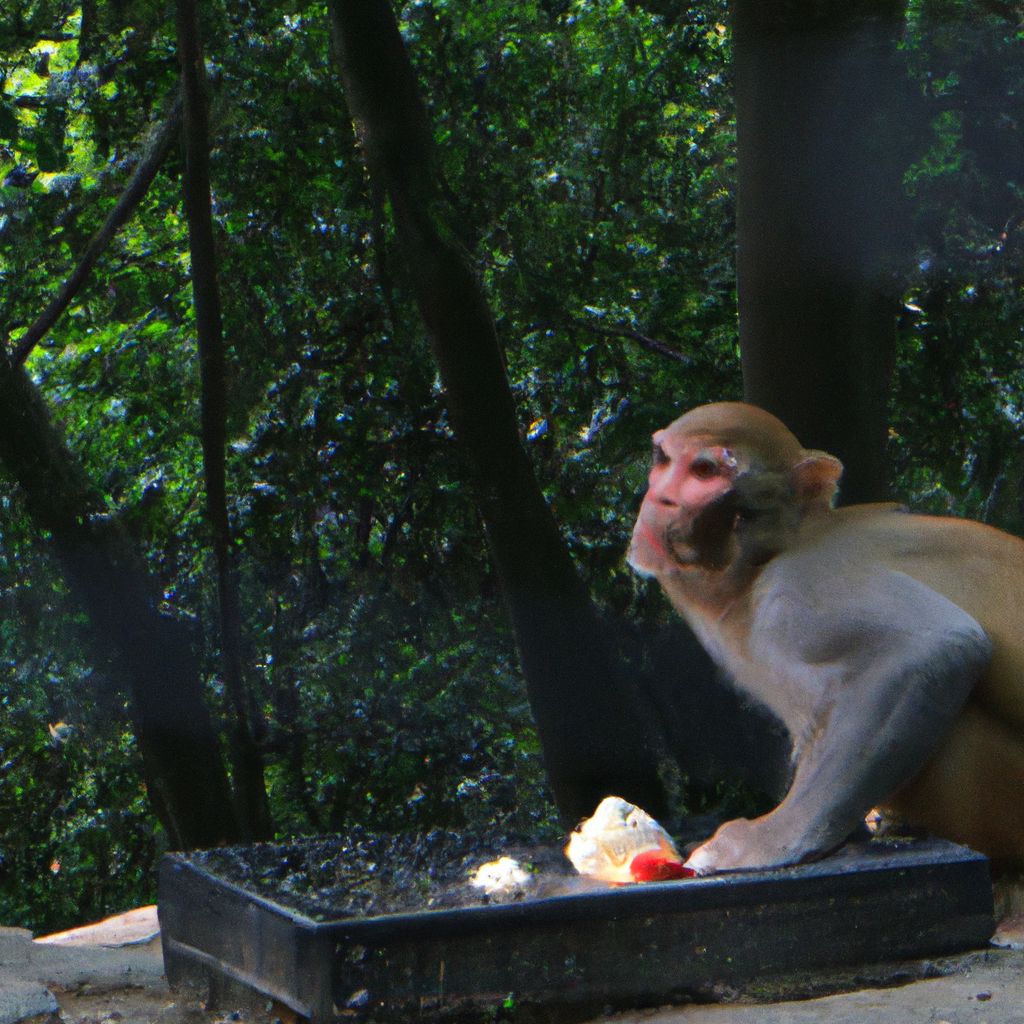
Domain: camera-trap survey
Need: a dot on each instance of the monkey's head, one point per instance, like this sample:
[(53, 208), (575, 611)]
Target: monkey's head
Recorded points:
[(729, 484)]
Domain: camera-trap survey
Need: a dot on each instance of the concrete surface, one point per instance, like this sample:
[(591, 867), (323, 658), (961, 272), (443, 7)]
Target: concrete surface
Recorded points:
[(984, 988), (132, 928), (31, 972), (112, 973)]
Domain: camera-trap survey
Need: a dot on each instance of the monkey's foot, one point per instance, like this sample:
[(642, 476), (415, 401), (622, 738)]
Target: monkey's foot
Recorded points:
[(743, 844)]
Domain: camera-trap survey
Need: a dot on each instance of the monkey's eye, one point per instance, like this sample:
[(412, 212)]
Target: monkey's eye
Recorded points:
[(704, 467), (658, 455)]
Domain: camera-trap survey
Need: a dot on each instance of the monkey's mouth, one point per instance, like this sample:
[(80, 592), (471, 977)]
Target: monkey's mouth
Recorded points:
[(654, 548), (708, 539), (679, 544)]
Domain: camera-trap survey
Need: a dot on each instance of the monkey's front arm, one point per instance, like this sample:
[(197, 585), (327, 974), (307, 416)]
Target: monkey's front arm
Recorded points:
[(870, 673)]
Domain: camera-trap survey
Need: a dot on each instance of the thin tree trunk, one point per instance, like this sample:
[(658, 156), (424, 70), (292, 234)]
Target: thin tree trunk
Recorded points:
[(123, 209), (586, 708), (817, 221), (250, 788), (150, 654)]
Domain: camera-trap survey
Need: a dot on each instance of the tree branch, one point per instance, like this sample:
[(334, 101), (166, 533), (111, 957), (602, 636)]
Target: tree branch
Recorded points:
[(126, 205), (652, 344)]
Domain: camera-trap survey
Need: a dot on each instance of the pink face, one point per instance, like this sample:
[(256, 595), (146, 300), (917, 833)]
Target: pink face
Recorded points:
[(687, 473)]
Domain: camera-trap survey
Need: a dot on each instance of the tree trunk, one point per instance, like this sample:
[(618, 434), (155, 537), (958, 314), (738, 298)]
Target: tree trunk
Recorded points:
[(150, 654), (250, 789), (587, 710), (818, 212)]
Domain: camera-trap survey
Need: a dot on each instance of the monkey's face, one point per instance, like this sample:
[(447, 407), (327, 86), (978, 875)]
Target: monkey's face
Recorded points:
[(686, 517), (729, 485)]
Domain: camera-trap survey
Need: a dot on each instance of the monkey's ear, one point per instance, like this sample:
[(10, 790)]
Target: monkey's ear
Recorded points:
[(815, 480)]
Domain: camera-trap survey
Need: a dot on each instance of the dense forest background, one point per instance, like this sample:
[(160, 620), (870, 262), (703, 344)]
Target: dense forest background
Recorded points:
[(251, 508)]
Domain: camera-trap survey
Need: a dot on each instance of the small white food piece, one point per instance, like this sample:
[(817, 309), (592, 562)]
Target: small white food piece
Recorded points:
[(503, 877)]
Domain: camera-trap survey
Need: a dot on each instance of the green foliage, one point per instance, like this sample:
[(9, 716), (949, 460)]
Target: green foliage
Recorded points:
[(587, 149)]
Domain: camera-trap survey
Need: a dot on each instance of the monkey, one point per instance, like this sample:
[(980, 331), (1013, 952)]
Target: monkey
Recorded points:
[(889, 644)]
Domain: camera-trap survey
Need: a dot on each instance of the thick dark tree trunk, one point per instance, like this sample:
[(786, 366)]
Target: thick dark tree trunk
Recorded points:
[(587, 711), (150, 654), (817, 110), (250, 789)]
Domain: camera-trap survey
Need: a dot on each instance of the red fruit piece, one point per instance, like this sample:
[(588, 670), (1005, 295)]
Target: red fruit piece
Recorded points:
[(655, 866)]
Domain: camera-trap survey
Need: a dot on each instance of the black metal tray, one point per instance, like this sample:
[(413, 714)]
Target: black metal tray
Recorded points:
[(632, 945)]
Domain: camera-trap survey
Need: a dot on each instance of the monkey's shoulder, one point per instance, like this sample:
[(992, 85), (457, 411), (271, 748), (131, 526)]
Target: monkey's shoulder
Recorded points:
[(843, 554), (890, 532), (976, 566)]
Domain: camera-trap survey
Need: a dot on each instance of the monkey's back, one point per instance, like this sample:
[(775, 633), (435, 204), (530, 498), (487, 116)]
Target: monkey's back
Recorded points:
[(977, 567), (973, 788)]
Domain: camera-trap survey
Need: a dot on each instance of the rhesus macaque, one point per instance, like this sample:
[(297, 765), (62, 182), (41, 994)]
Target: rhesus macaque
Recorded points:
[(890, 645)]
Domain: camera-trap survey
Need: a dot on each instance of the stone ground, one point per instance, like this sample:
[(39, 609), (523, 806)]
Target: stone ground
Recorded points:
[(983, 988), (112, 973)]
